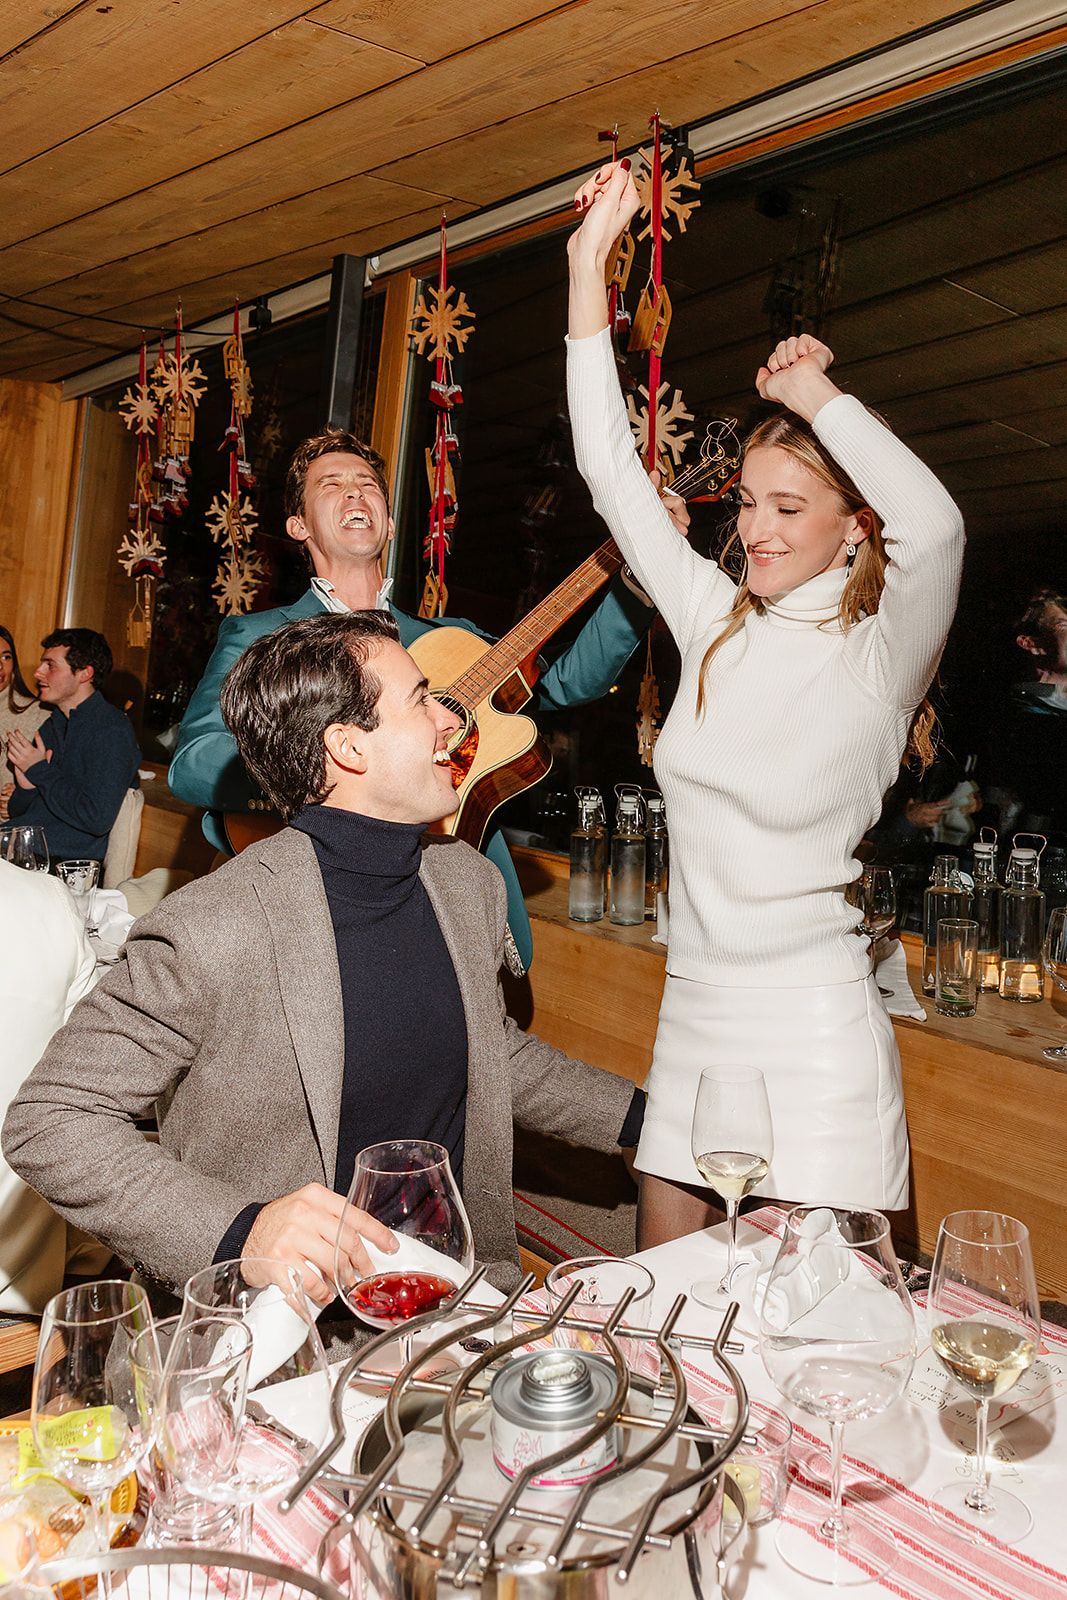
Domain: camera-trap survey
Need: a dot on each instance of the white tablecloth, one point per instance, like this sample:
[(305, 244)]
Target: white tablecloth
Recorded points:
[(899, 1460)]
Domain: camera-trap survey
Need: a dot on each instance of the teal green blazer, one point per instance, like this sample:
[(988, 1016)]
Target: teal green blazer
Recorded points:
[(207, 771)]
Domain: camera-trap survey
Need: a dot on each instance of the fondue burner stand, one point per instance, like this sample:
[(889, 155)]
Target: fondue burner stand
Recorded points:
[(552, 1474)]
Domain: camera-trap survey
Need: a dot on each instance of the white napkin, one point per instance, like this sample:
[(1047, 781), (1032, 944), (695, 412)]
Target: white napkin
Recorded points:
[(277, 1332), (892, 973), (111, 916), (414, 1256)]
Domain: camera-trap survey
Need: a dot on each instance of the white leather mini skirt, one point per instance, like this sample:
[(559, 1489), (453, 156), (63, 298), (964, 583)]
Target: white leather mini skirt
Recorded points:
[(832, 1067)]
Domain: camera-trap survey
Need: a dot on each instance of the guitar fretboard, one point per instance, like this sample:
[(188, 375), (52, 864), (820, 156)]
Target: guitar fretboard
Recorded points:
[(526, 638)]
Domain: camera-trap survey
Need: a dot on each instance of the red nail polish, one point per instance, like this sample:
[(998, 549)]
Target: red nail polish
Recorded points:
[(625, 163)]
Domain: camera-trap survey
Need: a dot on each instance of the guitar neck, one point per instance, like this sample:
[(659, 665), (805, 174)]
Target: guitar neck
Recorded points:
[(497, 665)]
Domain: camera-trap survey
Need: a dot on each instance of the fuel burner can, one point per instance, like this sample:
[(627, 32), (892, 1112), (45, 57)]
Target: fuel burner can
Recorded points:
[(543, 1401)]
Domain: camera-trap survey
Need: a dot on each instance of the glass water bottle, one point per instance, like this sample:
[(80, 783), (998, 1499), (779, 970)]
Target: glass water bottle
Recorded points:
[(988, 895), (1022, 914), (655, 852), (946, 896), (589, 859), (628, 857)]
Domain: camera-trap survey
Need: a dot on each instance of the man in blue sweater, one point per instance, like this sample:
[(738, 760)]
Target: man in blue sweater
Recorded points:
[(337, 506), (72, 776)]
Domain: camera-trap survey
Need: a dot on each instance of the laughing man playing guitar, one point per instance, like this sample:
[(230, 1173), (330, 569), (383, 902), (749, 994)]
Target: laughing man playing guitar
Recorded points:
[(338, 509)]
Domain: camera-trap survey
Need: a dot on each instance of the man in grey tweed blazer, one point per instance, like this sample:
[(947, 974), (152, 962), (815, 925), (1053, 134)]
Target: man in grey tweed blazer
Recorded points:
[(232, 1016)]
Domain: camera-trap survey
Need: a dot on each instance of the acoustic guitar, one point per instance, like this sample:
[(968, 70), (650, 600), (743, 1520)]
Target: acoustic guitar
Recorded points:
[(497, 753)]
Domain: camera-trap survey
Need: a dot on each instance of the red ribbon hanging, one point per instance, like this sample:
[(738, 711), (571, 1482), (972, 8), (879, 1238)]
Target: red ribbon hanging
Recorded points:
[(236, 432), (656, 219), (438, 533)]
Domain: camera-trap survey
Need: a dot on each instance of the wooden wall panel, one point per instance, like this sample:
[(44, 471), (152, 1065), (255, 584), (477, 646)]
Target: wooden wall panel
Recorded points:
[(39, 441)]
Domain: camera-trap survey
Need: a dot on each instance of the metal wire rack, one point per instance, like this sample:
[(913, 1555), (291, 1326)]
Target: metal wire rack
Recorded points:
[(186, 1575)]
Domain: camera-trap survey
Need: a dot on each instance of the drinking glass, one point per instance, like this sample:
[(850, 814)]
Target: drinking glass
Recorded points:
[(86, 1422), (80, 878), (288, 1381), (176, 1517), (956, 981), (605, 1279), (1054, 953), (760, 1470), (407, 1184), (732, 1144), (24, 844), (985, 1326), (837, 1337), (200, 1405), (21, 1577), (874, 896)]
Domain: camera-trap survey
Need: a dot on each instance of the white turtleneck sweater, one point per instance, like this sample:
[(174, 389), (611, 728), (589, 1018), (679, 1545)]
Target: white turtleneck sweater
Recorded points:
[(769, 793)]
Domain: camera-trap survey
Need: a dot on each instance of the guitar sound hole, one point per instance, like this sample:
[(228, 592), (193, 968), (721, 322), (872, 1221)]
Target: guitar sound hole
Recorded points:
[(463, 745)]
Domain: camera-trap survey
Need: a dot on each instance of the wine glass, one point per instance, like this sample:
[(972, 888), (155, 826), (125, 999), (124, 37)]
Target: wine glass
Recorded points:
[(407, 1184), (837, 1336), (874, 896), (199, 1405), (1054, 952), (985, 1327), (86, 1423), (24, 844), (176, 1517), (80, 878), (732, 1144), (288, 1380)]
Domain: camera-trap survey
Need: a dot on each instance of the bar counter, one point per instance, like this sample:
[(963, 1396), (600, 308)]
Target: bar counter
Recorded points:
[(987, 1114)]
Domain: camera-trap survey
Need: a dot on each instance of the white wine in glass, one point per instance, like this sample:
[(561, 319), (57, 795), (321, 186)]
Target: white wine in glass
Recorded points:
[(732, 1144), (985, 1326)]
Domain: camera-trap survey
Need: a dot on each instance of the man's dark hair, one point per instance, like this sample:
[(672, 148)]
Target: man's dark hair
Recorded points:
[(287, 688), (327, 443), (84, 649), (1036, 624)]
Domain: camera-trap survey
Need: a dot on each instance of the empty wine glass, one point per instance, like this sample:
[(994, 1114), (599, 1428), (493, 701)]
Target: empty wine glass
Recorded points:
[(732, 1143), (985, 1326), (24, 844), (407, 1185), (200, 1406), (288, 1380), (837, 1337), (1055, 957), (176, 1517), (86, 1422), (874, 896)]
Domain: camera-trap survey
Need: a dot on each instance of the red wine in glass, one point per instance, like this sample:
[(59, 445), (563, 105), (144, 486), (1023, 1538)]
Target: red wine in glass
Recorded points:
[(389, 1298)]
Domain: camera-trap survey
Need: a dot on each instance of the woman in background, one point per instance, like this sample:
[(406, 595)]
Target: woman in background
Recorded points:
[(19, 708), (802, 685)]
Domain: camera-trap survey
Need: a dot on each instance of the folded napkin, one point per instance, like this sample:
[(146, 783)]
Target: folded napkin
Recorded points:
[(412, 1255), (892, 973), (111, 917)]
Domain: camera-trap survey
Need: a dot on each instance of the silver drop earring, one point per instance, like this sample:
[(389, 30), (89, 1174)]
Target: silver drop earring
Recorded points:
[(850, 551)]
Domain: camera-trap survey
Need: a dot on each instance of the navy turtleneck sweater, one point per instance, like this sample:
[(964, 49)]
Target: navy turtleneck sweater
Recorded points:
[(405, 1029), (405, 1070)]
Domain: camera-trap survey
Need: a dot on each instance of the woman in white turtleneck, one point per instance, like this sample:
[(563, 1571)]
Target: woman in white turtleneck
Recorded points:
[(802, 685)]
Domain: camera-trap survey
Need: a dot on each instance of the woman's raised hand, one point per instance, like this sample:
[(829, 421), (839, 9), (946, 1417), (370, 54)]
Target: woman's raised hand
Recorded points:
[(607, 202), (794, 374)]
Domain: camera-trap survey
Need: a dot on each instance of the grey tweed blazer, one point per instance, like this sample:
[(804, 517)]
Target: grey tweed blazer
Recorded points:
[(225, 1016)]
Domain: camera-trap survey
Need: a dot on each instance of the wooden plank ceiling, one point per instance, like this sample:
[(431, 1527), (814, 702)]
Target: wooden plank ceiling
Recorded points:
[(208, 148)]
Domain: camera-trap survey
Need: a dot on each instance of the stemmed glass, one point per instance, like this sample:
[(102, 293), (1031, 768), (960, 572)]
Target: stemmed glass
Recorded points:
[(199, 1405), (86, 1422), (81, 878), (837, 1337), (874, 896), (1055, 957), (407, 1184), (288, 1379), (985, 1326), (732, 1144), (24, 845)]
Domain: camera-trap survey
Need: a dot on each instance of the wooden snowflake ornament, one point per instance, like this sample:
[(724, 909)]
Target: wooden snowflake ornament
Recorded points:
[(442, 322), (232, 519), (140, 409), (673, 203), (670, 440), (236, 582)]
